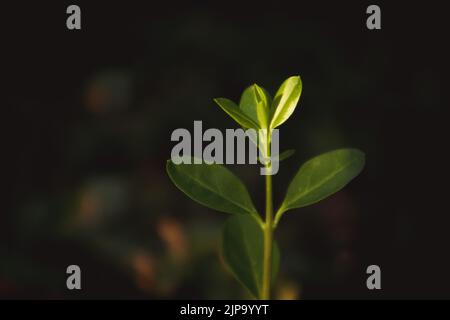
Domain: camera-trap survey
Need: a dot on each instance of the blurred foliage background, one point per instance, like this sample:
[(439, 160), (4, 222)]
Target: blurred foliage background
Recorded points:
[(89, 116)]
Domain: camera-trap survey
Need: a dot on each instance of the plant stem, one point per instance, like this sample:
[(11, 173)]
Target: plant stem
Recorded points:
[(268, 234)]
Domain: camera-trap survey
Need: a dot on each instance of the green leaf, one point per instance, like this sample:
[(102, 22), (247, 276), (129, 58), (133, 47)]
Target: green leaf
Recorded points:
[(243, 252), (213, 186), (322, 176), (255, 103), (237, 114), (286, 154), (285, 101)]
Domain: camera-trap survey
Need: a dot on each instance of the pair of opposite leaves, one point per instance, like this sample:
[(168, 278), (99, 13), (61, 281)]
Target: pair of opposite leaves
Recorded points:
[(256, 109), (216, 187)]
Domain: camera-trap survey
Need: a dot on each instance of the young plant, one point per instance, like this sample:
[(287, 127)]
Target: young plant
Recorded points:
[(248, 245)]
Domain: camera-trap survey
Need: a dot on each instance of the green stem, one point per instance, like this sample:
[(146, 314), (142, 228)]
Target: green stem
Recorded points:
[(278, 215), (268, 234)]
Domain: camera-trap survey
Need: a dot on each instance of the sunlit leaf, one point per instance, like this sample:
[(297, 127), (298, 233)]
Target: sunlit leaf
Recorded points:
[(255, 103), (285, 101), (237, 114)]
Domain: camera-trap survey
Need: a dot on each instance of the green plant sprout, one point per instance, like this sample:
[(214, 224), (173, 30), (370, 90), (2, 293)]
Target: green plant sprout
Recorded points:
[(248, 245)]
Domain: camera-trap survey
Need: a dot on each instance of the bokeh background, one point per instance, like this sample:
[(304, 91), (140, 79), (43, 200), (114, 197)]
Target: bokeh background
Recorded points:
[(87, 133)]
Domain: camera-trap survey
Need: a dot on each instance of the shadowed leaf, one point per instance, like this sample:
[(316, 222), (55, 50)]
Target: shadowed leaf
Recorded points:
[(322, 176), (213, 186), (243, 252)]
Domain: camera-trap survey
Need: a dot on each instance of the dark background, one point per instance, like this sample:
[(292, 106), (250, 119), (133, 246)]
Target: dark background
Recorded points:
[(87, 121)]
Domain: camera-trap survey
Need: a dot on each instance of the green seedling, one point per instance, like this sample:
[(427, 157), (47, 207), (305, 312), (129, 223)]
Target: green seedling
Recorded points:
[(248, 245)]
